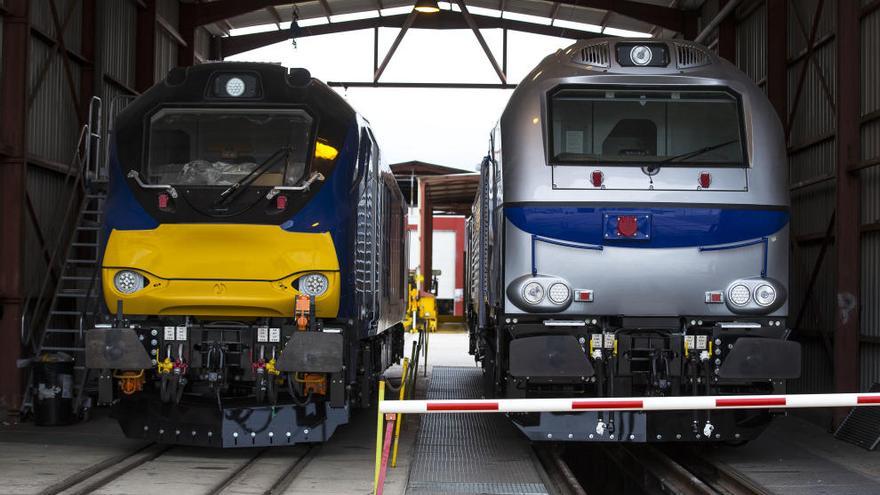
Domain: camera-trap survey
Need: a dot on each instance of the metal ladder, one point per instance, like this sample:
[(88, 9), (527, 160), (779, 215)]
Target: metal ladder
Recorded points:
[(69, 294)]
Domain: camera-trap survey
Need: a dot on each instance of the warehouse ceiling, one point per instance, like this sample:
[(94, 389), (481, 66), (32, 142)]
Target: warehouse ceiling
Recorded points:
[(659, 18)]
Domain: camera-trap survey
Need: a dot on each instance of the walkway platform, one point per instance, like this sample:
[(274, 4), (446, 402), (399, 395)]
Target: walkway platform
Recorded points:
[(470, 453)]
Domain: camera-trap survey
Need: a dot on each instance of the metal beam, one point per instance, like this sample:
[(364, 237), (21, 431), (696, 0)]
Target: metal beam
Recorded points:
[(777, 84), (406, 25), (426, 234), (275, 15), (847, 232), (441, 85), (444, 19), (209, 13), (482, 41), (811, 43), (727, 32), (186, 52), (13, 170), (667, 17), (171, 31), (65, 63), (145, 46), (726, 10)]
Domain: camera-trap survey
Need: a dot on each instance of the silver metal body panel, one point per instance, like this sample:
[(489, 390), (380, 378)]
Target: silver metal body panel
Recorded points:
[(666, 281), (524, 154), (644, 282)]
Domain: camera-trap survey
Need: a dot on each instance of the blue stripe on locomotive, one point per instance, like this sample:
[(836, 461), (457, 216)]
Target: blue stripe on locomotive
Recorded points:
[(672, 227), (330, 210)]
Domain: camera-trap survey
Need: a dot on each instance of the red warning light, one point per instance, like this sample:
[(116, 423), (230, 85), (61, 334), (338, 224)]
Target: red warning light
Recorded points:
[(705, 180), (163, 201), (281, 201), (627, 225), (596, 178)]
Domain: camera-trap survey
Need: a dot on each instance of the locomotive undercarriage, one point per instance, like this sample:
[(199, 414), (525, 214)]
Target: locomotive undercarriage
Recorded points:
[(638, 357), (270, 381)]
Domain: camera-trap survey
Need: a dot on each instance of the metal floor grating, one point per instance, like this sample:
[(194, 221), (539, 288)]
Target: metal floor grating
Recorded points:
[(470, 453), (862, 425)]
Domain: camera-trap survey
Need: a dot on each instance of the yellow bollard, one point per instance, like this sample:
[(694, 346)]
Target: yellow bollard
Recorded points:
[(378, 435), (400, 416)]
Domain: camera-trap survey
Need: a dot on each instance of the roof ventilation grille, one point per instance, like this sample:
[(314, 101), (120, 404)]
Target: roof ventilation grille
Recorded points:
[(690, 56), (596, 55)]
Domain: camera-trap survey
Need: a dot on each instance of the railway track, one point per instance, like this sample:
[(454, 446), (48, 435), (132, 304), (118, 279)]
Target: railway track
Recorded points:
[(642, 469), (271, 470)]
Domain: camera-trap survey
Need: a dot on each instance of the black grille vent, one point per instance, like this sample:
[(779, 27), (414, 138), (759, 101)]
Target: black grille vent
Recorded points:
[(596, 55), (862, 426), (690, 56)]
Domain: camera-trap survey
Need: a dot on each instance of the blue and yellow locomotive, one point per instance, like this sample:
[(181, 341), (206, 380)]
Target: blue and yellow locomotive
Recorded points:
[(254, 263)]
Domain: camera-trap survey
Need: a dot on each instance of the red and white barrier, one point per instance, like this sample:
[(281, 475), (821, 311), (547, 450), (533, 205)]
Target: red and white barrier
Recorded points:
[(630, 403)]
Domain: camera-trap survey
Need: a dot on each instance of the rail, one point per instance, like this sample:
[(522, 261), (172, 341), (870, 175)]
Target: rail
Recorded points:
[(105, 472)]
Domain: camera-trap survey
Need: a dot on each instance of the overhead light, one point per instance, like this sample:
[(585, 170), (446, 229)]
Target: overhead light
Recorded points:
[(427, 6)]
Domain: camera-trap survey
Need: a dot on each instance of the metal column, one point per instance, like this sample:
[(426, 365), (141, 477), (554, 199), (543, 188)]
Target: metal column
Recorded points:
[(777, 83), (426, 234), (847, 235), (13, 171), (145, 49)]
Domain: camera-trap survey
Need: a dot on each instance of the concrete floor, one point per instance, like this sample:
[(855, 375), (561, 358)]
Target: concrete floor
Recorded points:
[(33, 458), (792, 457)]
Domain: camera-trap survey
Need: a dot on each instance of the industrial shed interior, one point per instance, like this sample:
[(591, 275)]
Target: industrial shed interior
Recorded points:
[(69, 67)]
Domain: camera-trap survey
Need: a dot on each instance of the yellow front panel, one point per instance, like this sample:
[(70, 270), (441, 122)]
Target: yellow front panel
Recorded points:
[(219, 270)]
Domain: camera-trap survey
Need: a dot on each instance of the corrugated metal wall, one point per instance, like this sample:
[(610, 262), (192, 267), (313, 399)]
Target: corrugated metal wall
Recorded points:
[(53, 126), (870, 182), (812, 158), (166, 45)]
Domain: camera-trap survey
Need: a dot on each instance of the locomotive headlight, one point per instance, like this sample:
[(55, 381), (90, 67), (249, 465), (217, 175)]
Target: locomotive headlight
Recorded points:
[(558, 293), (533, 292), (128, 282), (765, 295), (313, 284), (641, 55), (235, 87), (739, 294)]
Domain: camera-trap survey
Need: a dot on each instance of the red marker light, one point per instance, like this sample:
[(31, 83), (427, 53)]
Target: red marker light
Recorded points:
[(596, 178), (627, 225), (281, 201), (583, 295), (163, 201), (714, 297), (705, 180)]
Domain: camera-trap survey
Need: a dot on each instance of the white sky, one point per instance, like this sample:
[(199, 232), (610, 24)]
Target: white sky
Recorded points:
[(443, 126)]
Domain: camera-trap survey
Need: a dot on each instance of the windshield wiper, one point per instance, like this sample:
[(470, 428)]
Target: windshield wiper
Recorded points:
[(696, 152), (230, 192)]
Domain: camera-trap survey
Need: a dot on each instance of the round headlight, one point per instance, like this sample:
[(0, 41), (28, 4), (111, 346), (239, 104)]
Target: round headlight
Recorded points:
[(739, 294), (641, 55), (234, 86), (558, 293), (533, 293), (313, 284), (765, 295), (128, 282)]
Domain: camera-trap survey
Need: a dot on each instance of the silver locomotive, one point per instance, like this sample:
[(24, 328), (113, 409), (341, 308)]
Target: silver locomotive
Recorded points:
[(630, 238)]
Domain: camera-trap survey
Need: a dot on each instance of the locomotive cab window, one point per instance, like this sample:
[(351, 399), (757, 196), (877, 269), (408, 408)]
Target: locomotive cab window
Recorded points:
[(207, 147), (638, 127)]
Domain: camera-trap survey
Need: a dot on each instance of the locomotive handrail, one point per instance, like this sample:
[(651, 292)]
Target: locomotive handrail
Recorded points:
[(133, 174), (316, 176)]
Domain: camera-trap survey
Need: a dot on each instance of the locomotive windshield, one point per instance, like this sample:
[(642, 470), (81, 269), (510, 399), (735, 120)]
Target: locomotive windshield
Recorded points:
[(208, 147), (671, 128)]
